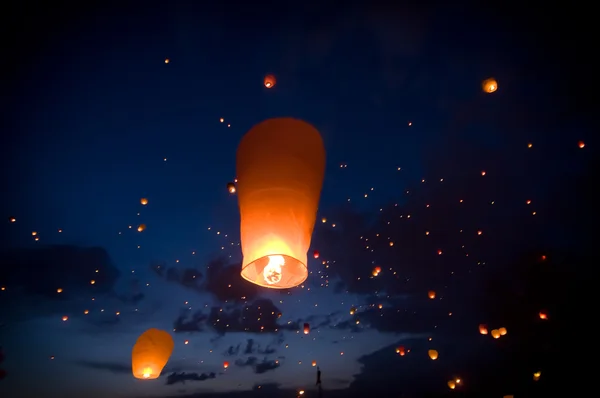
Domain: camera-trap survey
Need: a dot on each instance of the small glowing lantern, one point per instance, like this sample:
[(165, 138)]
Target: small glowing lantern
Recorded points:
[(536, 376), (280, 166), (141, 227), (489, 85), (352, 310), (144, 201), (543, 315), (314, 363), (270, 81), (231, 187), (433, 354), (483, 329), (502, 331), (316, 254), (151, 353), (225, 365), (400, 350), (306, 328), (452, 384), (431, 294), (496, 333)]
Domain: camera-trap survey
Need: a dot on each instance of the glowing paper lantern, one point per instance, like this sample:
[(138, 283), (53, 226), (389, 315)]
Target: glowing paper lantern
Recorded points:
[(316, 254), (489, 85), (270, 81), (496, 333), (306, 328), (225, 365), (231, 187), (433, 354), (280, 166), (483, 329), (141, 227), (431, 294), (452, 384), (151, 353), (144, 201)]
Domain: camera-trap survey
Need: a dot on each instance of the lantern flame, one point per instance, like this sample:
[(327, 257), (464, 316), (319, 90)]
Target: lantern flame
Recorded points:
[(272, 272)]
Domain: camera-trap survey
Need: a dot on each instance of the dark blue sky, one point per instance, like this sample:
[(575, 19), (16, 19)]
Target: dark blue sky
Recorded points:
[(96, 120)]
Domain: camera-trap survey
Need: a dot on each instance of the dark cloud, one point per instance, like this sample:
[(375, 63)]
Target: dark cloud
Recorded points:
[(250, 347), (258, 366), (182, 377), (259, 316), (32, 278)]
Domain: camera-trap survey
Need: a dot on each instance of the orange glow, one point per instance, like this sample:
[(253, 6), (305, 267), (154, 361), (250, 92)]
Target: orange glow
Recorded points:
[(502, 331), (231, 187), (280, 167), (141, 227), (144, 201), (400, 350), (543, 315), (151, 353), (496, 333), (316, 254), (270, 81), (225, 364), (433, 354), (581, 144), (431, 294), (489, 85), (483, 329), (306, 328)]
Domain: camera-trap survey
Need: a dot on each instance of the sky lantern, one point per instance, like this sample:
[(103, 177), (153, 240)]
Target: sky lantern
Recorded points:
[(306, 328), (489, 85), (225, 365), (144, 201), (151, 353), (543, 315), (452, 384), (483, 329), (270, 81), (352, 310), (502, 331), (433, 354), (495, 333), (536, 376), (316, 254), (581, 144), (231, 187), (141, 227), (431, 294), (314, 363), (401, 351), (280, 167)]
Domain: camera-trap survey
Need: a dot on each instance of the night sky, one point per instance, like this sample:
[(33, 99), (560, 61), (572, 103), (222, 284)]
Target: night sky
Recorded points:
[(479, 197)]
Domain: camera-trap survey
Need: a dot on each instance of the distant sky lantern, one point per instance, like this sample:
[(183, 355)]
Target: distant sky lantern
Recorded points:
[(270, 81), (231, 187), (316, 254), (323, 220), (280, 167), (151, 353), (225, 365), (167, 60), (581, 144), (543, 315), (141, 227), (401, 351), (536, 376), (352, 310), (306, 328), (431, 294), (314, 363), (495, 333), (502, 331), (433, 354), (489, 85), (12, 219), (483, 329), (452, 384), (144, 201)]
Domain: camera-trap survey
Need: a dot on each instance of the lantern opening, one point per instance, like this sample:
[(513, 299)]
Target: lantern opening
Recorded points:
[(276, 271)]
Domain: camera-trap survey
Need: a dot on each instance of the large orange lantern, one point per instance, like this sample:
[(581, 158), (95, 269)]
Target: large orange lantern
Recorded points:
[(151, 353), (280, 167), (270, 81)]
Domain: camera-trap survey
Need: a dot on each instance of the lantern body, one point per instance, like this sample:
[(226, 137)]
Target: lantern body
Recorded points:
[(431, 294), (144, 201), (489, 85), (151, 353), (483, 329), (269, 81), (306, 328), (280, 168), (433, 354), (231, 187)]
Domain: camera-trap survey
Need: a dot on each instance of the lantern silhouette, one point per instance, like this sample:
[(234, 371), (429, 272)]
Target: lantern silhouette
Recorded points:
[(306, 328), (270, 81), (280, 166), (151, 353)]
